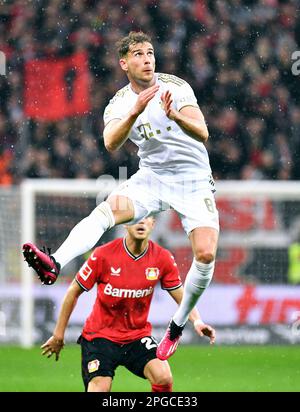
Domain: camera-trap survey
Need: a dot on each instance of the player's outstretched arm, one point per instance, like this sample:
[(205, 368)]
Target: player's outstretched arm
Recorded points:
[(200, 327), (189, 118), (56, 343), (116, 131)]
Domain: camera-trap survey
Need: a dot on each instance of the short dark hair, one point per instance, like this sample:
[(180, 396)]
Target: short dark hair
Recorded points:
[(133, 37)]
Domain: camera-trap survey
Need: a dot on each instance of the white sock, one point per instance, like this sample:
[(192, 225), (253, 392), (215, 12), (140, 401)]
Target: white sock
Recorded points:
[(197, 280), (85, 234)]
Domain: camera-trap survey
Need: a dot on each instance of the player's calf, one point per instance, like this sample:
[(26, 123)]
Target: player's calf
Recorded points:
[(159, 375), (163, 381)]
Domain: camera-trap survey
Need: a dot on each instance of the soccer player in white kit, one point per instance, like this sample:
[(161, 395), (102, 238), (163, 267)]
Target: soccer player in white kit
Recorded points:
[(160, 114)]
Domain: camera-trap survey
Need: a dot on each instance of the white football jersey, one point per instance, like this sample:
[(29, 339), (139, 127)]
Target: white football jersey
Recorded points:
[(163, 145)]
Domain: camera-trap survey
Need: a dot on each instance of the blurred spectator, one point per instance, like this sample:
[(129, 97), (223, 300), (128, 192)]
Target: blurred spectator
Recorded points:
[(236, 54)]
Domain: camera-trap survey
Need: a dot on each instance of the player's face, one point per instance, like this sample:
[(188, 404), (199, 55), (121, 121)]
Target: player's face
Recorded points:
[(139, 63), (141, 230)]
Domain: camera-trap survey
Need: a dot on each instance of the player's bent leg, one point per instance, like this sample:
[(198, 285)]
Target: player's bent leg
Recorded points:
[(122, 208), (204, 244), (100, 384), (159, 375), (85, 234), (204, 241), (81, 239)]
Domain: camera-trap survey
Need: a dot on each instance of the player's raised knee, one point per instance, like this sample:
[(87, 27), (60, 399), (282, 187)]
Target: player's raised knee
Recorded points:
[(122, 208), (204, 256), (105, 211)]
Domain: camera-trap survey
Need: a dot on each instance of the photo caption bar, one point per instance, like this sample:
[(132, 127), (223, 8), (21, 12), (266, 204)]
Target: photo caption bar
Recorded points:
[(135, 401)]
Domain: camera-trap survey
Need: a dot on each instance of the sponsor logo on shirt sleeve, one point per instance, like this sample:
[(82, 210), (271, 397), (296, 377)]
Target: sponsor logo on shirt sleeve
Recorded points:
[(85, 271)]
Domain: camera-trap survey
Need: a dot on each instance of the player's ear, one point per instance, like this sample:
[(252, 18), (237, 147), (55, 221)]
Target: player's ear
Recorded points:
[(123, 64)]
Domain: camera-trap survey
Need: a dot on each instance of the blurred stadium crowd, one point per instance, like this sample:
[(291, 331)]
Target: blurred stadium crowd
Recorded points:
[(236, 55)]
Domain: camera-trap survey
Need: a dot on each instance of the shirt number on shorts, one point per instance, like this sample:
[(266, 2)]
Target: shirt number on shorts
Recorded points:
[(149, 343), (209, 205)]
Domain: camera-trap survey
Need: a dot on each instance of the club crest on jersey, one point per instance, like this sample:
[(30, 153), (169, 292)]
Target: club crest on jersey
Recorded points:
[(93, 365), (115, 272), (152, 273)]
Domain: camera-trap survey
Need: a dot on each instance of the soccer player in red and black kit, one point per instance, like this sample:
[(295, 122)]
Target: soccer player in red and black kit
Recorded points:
[(117, 331)]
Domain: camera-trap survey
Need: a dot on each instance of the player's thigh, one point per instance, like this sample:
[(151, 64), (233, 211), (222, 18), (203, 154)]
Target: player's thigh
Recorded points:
[(100, 384), (135, 199), (138, 354), (158, 372), (122, 208), (99, 357), (200, 220)]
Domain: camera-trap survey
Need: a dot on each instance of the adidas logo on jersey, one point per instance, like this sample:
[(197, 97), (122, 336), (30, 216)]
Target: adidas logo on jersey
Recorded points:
[(127, 293)]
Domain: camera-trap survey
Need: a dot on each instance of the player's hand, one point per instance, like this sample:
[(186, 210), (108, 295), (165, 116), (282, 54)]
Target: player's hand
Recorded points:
[(205, 330), (53, 345), (143, 99), (167, 101)]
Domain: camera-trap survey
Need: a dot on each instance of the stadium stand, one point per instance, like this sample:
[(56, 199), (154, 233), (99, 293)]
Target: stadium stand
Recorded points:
[(236, 55)]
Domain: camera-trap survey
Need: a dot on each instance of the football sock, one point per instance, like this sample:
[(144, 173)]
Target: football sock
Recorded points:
[(175, 330), (162, 388), (85, 234), (197, 280)]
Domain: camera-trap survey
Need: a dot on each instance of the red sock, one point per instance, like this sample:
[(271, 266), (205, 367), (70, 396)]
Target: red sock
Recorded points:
[(162, 388)]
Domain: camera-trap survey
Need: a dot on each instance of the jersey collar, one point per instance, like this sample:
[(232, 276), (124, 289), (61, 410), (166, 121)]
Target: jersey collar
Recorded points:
[(131, 255)]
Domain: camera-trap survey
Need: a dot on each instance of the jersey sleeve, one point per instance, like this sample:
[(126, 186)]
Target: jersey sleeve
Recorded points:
[(114, 110), (171, 278), (185, 96), (90, 272)]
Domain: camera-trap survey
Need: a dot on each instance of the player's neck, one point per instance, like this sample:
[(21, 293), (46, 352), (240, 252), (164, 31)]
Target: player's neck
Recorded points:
[(139, 86), (136, 246)]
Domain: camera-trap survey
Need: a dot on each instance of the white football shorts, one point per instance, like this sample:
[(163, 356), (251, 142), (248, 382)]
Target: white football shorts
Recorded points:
[(150, 193)]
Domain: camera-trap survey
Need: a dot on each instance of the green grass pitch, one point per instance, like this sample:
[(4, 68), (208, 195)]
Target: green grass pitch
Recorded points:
[(195, 369)]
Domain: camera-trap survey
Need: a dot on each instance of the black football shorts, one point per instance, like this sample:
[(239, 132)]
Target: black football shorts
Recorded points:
[(101, 357)]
